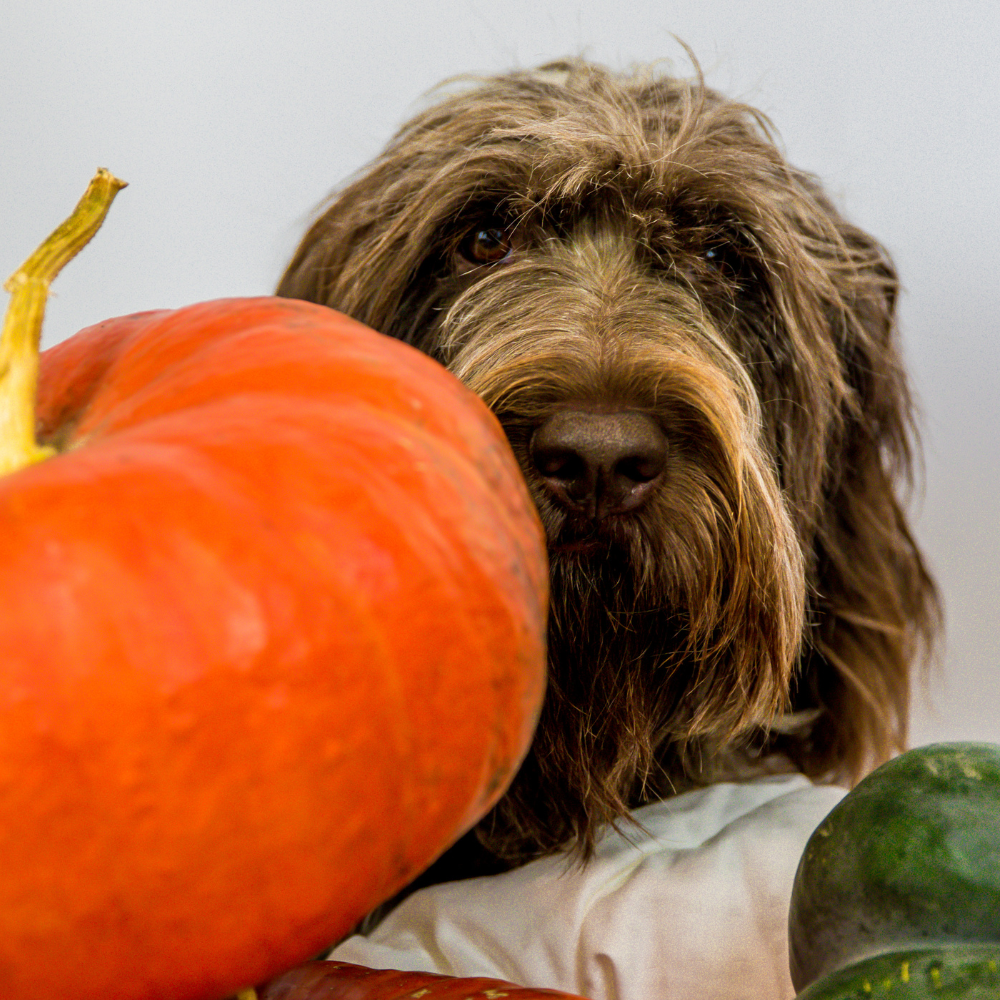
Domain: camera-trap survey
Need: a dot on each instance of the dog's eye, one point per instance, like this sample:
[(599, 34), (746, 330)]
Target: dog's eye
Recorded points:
[(484, 245), (726, 258)]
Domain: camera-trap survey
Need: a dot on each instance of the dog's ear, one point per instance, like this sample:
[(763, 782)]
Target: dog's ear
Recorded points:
[(873, 606), (380, 245), (353, 240), (313, 274)]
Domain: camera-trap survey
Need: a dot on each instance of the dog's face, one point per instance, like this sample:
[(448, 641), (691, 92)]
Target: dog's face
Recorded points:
[(695, 361)]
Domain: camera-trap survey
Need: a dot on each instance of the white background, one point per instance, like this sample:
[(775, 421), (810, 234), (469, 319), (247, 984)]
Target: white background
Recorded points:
[(232, 118)]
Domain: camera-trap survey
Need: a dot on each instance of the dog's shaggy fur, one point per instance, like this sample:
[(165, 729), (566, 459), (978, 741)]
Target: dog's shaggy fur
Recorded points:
[(695, 360)]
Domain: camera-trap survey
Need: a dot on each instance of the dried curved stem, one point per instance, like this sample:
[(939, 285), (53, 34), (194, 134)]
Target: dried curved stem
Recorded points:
[(22, 326)]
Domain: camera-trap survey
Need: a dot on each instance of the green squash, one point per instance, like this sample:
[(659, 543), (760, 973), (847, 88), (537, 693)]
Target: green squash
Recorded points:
[(952, 972), (909, 861)]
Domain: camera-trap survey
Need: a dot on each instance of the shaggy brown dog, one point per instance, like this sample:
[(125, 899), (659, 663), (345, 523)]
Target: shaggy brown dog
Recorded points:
[(696, 363)]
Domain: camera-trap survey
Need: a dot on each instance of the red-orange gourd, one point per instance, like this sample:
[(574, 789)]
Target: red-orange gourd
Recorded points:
[(271, 638), (343, 981)]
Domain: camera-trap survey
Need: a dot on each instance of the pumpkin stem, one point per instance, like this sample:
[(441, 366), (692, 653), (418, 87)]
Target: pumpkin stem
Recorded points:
[(22, 325)]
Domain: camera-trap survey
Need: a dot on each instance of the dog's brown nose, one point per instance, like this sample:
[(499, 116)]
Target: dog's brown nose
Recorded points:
[(600, 463)]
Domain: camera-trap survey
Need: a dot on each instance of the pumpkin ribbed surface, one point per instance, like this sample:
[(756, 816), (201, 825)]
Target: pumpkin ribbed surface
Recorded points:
[(272, 637)]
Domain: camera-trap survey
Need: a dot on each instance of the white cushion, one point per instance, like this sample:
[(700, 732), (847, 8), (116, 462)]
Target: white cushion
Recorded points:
[(692, 904)]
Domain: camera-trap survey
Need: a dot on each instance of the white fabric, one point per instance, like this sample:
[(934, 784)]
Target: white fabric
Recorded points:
[(692, 905)]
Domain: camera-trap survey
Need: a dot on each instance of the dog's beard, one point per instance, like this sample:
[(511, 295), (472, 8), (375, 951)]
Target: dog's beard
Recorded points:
[(644, 682), (614, 686)]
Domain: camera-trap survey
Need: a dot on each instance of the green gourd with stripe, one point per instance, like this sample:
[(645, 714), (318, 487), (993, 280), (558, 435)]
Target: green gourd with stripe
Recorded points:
[(898, 891)]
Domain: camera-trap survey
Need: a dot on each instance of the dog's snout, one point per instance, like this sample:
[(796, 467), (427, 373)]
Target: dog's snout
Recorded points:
[(600, 463)]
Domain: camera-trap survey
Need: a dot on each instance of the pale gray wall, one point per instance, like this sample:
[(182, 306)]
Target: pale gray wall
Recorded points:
[(231, 119)]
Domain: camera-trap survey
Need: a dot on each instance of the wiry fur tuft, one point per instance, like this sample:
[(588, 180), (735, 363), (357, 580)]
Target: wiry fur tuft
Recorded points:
[(766, 602)]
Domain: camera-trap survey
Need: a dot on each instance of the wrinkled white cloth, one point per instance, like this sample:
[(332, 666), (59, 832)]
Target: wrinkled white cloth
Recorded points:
[(690, 905)]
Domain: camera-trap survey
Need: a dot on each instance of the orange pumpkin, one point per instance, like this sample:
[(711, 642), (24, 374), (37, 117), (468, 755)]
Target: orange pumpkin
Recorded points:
[(271, 638), (342, 981)]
